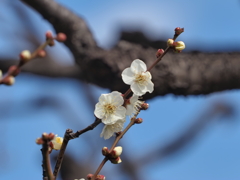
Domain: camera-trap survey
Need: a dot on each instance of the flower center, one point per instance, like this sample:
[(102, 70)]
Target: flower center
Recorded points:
[(109, 108), (140, 78)]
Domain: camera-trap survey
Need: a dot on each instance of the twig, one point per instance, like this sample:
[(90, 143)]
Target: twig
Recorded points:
[(46, 161), (68, 136), (58, 164)]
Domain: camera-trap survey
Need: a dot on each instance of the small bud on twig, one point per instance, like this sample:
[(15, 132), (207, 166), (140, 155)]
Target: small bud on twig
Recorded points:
[(39, 141), (100, 177), (179, 30), (144, 106), (170, 42), (116, 152), (61, 37), (10, 80), (41, 53), (138, 121), (105, 151), (159, 52), (116, 160), (25, 56), (179, 46), (49, 35), (89, 176)]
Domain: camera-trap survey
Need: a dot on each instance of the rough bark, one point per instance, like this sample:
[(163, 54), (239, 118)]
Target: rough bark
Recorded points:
[(185, 74)]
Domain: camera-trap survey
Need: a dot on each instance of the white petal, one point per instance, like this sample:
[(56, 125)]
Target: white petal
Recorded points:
[(138, 66), (103, 98), (130, 110), (148, 74), (116, 98), (134, 99), (109, 130), (109, 119), (99, 112), (150, 86), (136, 89), (120, 112), (106, 132), (127, 76)]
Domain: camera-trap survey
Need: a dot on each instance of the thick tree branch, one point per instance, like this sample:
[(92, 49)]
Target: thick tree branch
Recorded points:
[(179, 74)]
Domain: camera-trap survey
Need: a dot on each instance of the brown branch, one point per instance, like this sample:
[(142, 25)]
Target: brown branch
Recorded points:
[(179, 74), (47, 170)]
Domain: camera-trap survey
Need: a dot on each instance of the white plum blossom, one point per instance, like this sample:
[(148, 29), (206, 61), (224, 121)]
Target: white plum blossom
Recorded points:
[(138, 77), (109, 130), (56, 143), (109, 108), (133, 105)]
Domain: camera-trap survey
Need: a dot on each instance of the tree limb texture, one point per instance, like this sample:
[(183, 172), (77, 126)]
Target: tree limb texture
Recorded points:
[(185, 74)]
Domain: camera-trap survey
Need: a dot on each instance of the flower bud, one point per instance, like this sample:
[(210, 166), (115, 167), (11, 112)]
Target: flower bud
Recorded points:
[(179, 30), (89, 176), (10, 80), (39, 141), (159, 52), (44, 136), (105, 151), (51, 136), (100, 177), (25, 56), (170, 42), (138, 120), (49, 35), (41, 53), (144, 106), (51, 43), (116, 160), (61, 37), (13, 70), (56, 143), (179, 45), (116, 152)]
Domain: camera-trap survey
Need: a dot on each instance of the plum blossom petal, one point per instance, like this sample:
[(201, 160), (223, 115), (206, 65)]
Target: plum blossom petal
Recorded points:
[(138, 78), (109, 130), (56, 143), (109, 108), (133, 105)]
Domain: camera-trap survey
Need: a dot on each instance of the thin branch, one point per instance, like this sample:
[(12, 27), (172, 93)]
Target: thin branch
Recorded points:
[(46, 161)]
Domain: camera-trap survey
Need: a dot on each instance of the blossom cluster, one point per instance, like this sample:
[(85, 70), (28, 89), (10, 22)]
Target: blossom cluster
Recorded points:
[(112, 108)]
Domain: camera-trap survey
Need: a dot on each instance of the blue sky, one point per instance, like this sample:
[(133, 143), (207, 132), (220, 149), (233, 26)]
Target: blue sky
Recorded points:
[(209, 25)]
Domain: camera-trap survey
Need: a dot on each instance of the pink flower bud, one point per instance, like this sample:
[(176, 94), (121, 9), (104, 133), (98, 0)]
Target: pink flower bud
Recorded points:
[(159, 52), (144, 106), (41, 53), (116, 160), (51, 136), (179, 30), (138, 120), (100, 177), (49, 35), (89, 176), (61, 37), (39, 141)]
